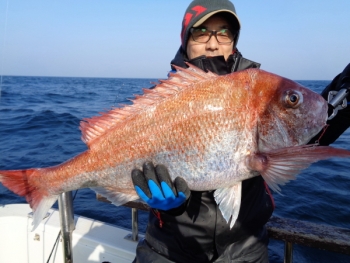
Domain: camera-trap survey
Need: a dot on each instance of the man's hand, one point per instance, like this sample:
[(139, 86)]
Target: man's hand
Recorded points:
[(342, 80), (154, 186), (337, 93)]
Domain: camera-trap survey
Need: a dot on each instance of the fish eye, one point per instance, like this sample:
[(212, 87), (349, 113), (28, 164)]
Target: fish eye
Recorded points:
[(293, 99)]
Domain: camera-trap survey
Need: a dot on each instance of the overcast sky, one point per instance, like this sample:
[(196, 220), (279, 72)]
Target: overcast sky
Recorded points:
[(300, 40)]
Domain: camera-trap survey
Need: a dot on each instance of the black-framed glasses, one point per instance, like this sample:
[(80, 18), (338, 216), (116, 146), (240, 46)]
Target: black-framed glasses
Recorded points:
[(203, 35)]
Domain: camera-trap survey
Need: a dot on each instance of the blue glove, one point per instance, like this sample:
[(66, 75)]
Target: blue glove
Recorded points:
[(154, 186)]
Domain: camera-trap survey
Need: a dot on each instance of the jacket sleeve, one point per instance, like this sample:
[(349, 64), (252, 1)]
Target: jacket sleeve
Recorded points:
[(339, 124)]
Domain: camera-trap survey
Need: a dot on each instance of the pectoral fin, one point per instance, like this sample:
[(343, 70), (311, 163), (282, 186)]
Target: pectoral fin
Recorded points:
[(229, 201), (279, 166)]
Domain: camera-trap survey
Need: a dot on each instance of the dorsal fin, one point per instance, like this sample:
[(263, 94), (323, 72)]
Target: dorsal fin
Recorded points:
[(94, 127)]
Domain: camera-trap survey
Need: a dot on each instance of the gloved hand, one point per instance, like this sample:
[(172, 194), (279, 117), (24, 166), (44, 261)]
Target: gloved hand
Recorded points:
[(341, 81), (341, 122), (154, 186), (344, 79)]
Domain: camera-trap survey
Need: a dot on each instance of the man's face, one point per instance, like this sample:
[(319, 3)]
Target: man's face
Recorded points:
[(212, 48)]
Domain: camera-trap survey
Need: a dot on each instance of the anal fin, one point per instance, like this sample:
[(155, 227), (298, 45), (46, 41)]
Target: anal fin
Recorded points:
[(229, 201), (115, 197)]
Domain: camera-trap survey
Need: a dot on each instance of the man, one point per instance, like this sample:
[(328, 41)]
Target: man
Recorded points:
[(196, 231), (187, 226)]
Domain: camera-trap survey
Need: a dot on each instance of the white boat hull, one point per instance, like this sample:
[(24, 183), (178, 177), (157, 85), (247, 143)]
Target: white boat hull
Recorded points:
[(93, 241)]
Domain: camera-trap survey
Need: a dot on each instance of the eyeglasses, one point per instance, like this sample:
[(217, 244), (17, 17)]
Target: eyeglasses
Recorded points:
[(203, 35)]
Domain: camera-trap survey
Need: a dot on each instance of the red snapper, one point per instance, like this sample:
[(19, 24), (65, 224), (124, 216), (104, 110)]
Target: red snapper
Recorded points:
[(214, 131)]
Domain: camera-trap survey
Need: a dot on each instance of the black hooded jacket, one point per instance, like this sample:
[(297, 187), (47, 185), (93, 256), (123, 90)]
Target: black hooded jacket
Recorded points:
[(218, 65), (197, 231)]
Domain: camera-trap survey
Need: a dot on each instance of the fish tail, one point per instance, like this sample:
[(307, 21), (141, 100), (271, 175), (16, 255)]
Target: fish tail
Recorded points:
[(18, 181), (280, 166)]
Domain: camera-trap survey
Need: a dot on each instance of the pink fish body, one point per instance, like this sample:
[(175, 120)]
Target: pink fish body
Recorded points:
[(214, 131)]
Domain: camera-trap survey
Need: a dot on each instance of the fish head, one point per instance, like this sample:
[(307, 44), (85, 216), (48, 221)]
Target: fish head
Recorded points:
[(292, 114)]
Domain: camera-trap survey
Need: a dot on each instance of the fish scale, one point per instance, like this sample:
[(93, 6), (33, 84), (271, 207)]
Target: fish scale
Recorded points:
[(214, 131)]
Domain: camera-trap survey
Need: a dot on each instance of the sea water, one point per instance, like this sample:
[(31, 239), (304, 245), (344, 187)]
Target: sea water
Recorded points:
[(39, 127)]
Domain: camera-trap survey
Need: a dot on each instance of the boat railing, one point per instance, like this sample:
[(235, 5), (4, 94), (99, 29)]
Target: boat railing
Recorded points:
[(290, 231)]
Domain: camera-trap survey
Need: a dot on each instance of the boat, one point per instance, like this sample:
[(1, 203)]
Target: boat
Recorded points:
[(92, 240), (96, 241)]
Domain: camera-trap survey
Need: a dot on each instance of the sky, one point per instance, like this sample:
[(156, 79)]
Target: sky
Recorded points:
[(300, 39)]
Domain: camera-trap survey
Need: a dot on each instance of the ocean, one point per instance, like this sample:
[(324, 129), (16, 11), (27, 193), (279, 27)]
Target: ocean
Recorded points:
[(39, 127)]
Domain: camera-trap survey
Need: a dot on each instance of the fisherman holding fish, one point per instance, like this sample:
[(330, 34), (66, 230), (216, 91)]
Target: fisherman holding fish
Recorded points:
[(187, 226)]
